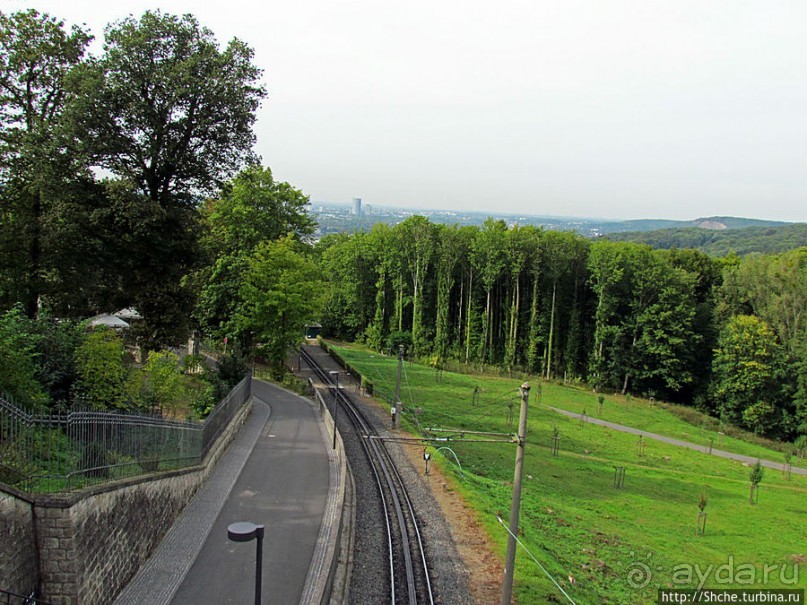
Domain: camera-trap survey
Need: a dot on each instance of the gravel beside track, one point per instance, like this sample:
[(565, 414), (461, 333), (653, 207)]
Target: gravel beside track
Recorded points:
[(368, 583)]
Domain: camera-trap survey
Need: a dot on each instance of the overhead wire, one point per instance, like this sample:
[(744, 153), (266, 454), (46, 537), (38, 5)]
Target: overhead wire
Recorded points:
[(538, 563)]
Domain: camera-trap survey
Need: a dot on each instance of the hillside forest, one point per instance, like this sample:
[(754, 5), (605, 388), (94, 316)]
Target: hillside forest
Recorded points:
[(128, 180), (724, 334)]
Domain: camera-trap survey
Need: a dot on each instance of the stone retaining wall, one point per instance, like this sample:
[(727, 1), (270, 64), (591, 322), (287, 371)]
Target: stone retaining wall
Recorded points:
[(83, 547), (18, 563)]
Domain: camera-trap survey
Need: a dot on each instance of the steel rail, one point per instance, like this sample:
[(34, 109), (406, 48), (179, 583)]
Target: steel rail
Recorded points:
[(382, 464)]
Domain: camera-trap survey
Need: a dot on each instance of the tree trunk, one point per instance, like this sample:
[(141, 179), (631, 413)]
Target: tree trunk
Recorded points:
[(35, 257), (532, 350), (486, 330), (468, 319), (629, 363), (551, 331)]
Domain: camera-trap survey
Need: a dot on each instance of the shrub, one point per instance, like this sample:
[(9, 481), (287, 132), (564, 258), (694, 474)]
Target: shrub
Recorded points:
[(102, 375)]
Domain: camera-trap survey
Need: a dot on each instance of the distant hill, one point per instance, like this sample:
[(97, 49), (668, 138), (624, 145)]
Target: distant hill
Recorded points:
[(662, 233), (716, 223), (721, 241)]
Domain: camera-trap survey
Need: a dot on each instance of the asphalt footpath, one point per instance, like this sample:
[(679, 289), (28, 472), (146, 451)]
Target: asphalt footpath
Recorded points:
[(278, 472)]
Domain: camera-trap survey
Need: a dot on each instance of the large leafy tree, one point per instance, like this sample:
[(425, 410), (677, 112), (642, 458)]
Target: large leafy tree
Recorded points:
[(168, 110), (774, 289), (282, 290), (40, 175), (170, 115), (416, 244), (348, 264), (252, 209), (748, 369)]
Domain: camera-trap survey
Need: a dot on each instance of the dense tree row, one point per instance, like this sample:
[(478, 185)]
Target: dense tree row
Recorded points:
[(617, 315)]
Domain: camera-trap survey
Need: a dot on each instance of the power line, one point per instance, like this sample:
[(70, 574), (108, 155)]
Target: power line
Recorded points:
[(543, 569)]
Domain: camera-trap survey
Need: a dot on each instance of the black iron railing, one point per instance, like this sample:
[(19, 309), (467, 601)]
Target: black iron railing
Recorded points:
[(60, 452)]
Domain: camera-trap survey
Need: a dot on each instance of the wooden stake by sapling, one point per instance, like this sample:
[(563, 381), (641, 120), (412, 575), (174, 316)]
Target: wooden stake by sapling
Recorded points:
[(701, 528), (619, 477), (600, 401), (555, 440), (757, 473), (640, 446)]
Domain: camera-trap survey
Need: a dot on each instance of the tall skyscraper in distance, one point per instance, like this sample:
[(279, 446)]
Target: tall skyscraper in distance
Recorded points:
[(356, 206)]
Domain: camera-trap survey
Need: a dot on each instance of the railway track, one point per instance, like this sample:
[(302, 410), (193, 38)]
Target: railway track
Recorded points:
[(408, 571)]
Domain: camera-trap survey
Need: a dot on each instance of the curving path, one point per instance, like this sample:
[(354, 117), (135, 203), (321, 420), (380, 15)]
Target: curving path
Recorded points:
[(796, 470), (278, 472)]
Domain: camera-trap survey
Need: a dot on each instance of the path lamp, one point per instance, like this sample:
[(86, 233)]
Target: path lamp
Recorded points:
[(244, 531), (335, 377)]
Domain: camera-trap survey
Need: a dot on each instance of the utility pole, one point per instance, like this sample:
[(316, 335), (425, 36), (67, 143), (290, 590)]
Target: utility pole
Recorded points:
[(509, 563), (398, 406)]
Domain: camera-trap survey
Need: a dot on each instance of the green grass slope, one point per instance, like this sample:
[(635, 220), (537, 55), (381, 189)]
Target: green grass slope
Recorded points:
[(619, 545)]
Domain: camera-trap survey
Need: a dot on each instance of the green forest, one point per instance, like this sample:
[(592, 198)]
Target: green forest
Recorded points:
[(128, 180), (741, 241), (724, 334)]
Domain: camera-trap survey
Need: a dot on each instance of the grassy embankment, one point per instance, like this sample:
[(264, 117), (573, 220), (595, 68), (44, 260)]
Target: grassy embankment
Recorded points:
[(620, 545)]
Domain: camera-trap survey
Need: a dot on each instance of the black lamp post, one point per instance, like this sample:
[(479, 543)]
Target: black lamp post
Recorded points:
[(335, 375), (244, 531)]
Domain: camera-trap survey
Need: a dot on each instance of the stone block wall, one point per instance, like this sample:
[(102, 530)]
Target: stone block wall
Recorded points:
[(18, 562), (110, 531), (58, 565), (89, 549), (82, 548)]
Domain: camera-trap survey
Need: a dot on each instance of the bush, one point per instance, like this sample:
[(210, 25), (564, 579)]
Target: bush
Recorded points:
[(102, 375), (398, 338), (203, 401), (18, 368), (232, 368)]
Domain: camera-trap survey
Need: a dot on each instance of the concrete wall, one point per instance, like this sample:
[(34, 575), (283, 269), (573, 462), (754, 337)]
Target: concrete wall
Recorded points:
[(83, 547)]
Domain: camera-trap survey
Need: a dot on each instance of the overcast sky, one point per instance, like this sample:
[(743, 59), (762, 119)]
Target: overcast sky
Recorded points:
[(600, 108)]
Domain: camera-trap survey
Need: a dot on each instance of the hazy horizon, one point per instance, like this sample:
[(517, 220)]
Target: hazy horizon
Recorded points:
[(574, 108), (415, 208)]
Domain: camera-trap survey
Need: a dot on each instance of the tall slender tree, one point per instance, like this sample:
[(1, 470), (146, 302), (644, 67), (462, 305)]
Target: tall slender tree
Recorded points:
[(37, 166)]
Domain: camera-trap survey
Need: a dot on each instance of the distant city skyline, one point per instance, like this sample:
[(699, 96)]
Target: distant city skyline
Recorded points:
[(316, 204), (616, 110)]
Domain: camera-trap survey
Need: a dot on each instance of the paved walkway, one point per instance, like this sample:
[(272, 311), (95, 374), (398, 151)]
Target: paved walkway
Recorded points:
[(796, 470), (277, 472)]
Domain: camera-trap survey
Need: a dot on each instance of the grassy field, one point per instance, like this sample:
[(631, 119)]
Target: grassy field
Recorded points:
[(620, 545)]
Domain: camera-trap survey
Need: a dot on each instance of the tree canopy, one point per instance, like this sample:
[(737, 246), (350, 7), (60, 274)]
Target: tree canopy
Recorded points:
[(166, 109)]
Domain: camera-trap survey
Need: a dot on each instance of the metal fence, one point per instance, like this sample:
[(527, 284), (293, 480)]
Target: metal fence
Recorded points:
[(62, 452), (10, 598)]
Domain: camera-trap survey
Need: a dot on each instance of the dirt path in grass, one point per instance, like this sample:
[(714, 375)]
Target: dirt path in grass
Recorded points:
[(692, 446)]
